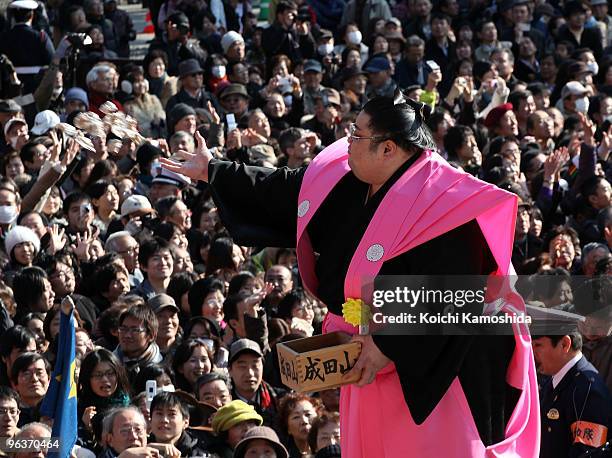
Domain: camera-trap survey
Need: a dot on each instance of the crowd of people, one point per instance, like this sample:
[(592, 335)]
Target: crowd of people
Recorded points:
[(518, 94)]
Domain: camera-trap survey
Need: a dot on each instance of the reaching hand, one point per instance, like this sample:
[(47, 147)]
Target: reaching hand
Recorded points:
[(605, 146), (195, 165), (56, 147), (555, 162), (57, 239), (589, 129), (71, 152), (81, 248), (216, 119)]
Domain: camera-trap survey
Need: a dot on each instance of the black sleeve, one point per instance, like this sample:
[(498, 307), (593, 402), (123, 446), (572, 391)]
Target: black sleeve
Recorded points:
[(307, 46), (258, 205), (257, 330)]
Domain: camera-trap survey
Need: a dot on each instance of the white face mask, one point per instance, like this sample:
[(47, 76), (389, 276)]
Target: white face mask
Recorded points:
[(166, 388), (593, 67), (354, 38), (8, 214), (57, 91), (582, 105), (218, 71), (324, 50)]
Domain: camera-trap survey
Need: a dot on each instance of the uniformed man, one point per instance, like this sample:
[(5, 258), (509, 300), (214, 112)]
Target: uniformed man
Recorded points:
[(29, 50), (575, 404)]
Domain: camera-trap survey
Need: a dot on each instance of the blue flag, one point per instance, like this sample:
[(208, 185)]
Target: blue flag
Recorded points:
[(60, 402)]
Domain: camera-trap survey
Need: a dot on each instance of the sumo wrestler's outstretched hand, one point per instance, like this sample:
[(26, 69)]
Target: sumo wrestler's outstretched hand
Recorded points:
[(195, 165)]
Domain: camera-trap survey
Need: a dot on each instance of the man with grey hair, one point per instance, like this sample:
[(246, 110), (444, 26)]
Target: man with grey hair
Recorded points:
[(126, 246), (31, 431), (124, 430), (102, 83), (182, 141), (411, 69), (591, 254)]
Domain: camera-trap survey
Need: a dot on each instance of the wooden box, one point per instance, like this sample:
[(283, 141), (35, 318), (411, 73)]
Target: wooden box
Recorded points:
[(317, 363)]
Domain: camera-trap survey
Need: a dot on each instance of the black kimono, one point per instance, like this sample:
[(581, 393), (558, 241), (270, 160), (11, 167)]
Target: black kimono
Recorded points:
[(259, 208)]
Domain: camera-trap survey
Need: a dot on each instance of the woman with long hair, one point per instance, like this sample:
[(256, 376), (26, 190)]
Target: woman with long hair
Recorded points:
[(103, 384), (192, 359)]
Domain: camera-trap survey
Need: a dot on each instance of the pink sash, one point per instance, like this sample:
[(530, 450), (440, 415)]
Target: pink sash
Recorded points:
[(430, 199)]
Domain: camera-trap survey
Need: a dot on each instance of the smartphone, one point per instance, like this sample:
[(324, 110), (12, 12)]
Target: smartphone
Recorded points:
[(85, 209), (432, 64), (151, 391), (284, 81), (524, 27), (230, 119)]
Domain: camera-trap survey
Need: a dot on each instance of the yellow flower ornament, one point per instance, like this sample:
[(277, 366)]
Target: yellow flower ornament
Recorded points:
[(356, 312)]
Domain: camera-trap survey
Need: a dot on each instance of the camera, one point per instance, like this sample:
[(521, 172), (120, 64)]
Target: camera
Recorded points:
[(79, 40), (86, 209)]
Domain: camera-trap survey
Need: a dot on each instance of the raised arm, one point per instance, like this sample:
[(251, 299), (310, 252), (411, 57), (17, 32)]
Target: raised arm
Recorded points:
[(258, 205)]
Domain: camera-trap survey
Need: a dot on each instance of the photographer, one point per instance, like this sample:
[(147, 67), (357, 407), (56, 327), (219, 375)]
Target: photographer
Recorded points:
[(283, 37), (177, 45)]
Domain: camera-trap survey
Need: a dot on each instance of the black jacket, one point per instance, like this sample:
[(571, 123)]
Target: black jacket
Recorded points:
[(278, 40), (266, 402), (590, 38)]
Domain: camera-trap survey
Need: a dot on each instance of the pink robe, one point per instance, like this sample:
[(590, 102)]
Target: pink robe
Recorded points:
[(430, 199)]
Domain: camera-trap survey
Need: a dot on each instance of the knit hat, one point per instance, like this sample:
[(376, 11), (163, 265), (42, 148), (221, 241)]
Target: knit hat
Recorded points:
[(76, 93), (496, 114), (234, 413), (229, 39), (20, 234), (178, 112), (264, 433)]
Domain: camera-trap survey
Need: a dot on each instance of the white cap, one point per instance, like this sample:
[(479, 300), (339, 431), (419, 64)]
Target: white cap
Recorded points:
[(45, 121), (24, 4), (573, 88), (21, 234), (165, 176), (11, 122), (135, 204)]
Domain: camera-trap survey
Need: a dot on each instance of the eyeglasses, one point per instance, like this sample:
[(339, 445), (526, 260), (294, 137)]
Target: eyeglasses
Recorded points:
[(12, 412), (130, 250), (352, 136), (29, 375), (126, 330), (100, 375), (138, 429)]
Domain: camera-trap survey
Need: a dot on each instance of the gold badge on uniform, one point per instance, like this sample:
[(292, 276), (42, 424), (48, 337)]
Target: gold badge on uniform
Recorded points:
[(553, 414)]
